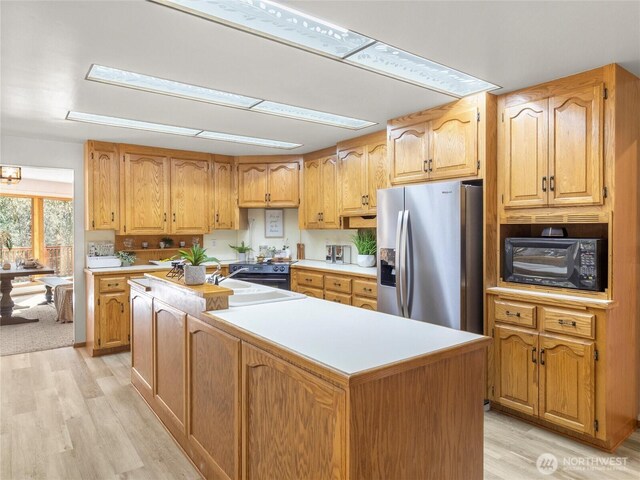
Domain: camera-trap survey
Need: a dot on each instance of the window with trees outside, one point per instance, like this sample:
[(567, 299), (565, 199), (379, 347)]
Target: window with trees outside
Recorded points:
[(40, 228)]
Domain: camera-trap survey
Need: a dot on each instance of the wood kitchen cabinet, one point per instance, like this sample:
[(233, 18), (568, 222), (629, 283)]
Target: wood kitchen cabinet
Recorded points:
[(146, 194), (113, 315), (268, 185), (435, 144), (190, 186), (102, 186), (224, 204), (362, 171), (141, 311), (281, 397), (320, 199), (552, 150)]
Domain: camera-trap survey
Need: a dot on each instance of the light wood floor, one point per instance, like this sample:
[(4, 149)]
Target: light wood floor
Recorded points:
[(64, 415)]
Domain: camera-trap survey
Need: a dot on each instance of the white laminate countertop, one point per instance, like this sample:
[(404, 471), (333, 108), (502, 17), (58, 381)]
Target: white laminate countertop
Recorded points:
[(144, 268), (343, 337), (337, 267)]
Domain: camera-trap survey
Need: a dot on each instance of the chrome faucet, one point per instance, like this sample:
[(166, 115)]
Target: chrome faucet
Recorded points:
[(216, 278)]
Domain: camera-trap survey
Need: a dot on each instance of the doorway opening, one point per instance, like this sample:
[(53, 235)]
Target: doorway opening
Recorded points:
[(37, 217)]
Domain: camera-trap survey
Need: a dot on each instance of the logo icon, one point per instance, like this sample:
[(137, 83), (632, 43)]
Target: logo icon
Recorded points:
[(547, 463)]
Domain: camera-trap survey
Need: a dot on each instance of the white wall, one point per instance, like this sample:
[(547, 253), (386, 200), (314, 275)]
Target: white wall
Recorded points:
[(29, 186), (34, 152)]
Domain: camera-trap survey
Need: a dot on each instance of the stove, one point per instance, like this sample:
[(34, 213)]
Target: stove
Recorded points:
[(276, 274)]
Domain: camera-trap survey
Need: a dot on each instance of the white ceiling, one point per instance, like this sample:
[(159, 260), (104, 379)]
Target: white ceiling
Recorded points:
[(47, 48)]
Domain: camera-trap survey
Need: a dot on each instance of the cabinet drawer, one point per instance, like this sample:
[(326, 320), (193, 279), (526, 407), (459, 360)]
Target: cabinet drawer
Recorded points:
[(337, 284), (570, 322), (365, 288), (310, 279), (516, 313), (338, 298), (113, 284), (366, 303), (311, 292)]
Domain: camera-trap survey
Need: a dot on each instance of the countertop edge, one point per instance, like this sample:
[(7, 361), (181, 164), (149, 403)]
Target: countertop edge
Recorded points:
[(219, 291), (600, 303)]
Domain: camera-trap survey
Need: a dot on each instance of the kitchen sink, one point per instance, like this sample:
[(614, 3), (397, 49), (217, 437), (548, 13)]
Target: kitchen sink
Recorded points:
[(255, 296)]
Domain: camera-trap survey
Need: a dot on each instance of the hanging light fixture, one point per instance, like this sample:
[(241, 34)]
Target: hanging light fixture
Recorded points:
[(9, 175)]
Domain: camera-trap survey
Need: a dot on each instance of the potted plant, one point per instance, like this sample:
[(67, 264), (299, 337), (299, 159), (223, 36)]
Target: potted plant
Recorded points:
[(5, 242), (126, 258), (365, 242), (166, 242), (195, 273), (242, 250)]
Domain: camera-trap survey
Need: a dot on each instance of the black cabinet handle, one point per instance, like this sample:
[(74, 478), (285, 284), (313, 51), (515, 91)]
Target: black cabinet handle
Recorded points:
[(425, 165), (265, 197), (113, 217), (174, 218), (430, 165), (552, 183), (512, 314), (122, 308), (533, 354), (544, 184), (165, 217), (542, 356), (568, 323)]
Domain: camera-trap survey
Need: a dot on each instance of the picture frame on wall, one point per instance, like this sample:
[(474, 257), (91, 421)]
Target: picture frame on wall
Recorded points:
[(274, 223)]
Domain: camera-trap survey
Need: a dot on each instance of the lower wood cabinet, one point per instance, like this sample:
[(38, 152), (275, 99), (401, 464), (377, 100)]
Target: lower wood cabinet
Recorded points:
[(294, 422), (142, 342), (336, 287)]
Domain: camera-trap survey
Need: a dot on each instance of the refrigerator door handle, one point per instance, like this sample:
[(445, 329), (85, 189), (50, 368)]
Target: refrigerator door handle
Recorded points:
[(406, 261), (399, 263)]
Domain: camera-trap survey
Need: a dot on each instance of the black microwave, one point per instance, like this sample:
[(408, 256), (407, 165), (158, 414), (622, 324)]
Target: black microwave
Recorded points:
[(578, 263)]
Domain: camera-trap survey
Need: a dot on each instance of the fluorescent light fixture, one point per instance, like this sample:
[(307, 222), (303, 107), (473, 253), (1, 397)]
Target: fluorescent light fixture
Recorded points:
[(263, 142), (286, 25), (124, 78), (277, 22), (128, 123), (402, 65), (188, 132), (284, 110)]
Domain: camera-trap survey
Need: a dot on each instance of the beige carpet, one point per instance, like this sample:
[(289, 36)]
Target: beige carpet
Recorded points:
[(32, 337)]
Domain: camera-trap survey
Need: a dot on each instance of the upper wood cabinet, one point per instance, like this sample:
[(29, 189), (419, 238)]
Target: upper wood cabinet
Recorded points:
[(190, 186), (269, 185), (435, 144), (362, 171), (224, 204), (102, 186), (552, 150), (320, 198), (146, 193)]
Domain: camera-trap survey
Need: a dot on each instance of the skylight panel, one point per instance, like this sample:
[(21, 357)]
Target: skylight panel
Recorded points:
[(263, 142), (284, 110)]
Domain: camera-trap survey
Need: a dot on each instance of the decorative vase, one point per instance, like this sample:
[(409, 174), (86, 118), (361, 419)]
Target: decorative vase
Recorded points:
[(195, 275), (182, 243), (242, 257), (125, 264), (145, 244), (161, 244), (366, 260)]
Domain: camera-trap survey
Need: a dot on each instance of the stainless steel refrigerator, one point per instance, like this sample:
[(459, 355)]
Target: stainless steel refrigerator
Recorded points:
[(430, 253)]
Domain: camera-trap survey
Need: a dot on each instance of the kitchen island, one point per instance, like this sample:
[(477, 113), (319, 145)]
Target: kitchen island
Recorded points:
[(307, 388)]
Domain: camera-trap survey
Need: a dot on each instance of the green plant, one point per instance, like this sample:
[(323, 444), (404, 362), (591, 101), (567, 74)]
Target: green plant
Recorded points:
[(168, 241), (196, 256), (365, 242), (242, 248), (126, 257)]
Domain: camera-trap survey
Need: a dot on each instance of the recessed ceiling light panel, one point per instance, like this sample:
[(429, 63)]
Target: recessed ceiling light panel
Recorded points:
[(277, 22), (128, 123), (175, 130), (124, 78), (402, 65), (284, 110), (263, 142)]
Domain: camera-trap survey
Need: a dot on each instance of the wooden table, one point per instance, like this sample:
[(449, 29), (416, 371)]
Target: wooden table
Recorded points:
[(6, 285)]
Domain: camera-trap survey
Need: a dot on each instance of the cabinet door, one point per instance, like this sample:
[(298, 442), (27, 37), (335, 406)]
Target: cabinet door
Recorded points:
[(312, 193), (567, 383), (352, 175), (170, 364), (224, 202), (576, 147), (214, 398), (103, 189), (453, 145), (142, 341), (252, 185), (525, 155), (408, 155), (516, 375), (329, 184), (113, 320), (189, 196), (146, 185), (377, 173), (284, 185), (307, 412)]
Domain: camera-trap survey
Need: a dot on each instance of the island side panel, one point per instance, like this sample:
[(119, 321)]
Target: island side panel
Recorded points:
[(423, 423)]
